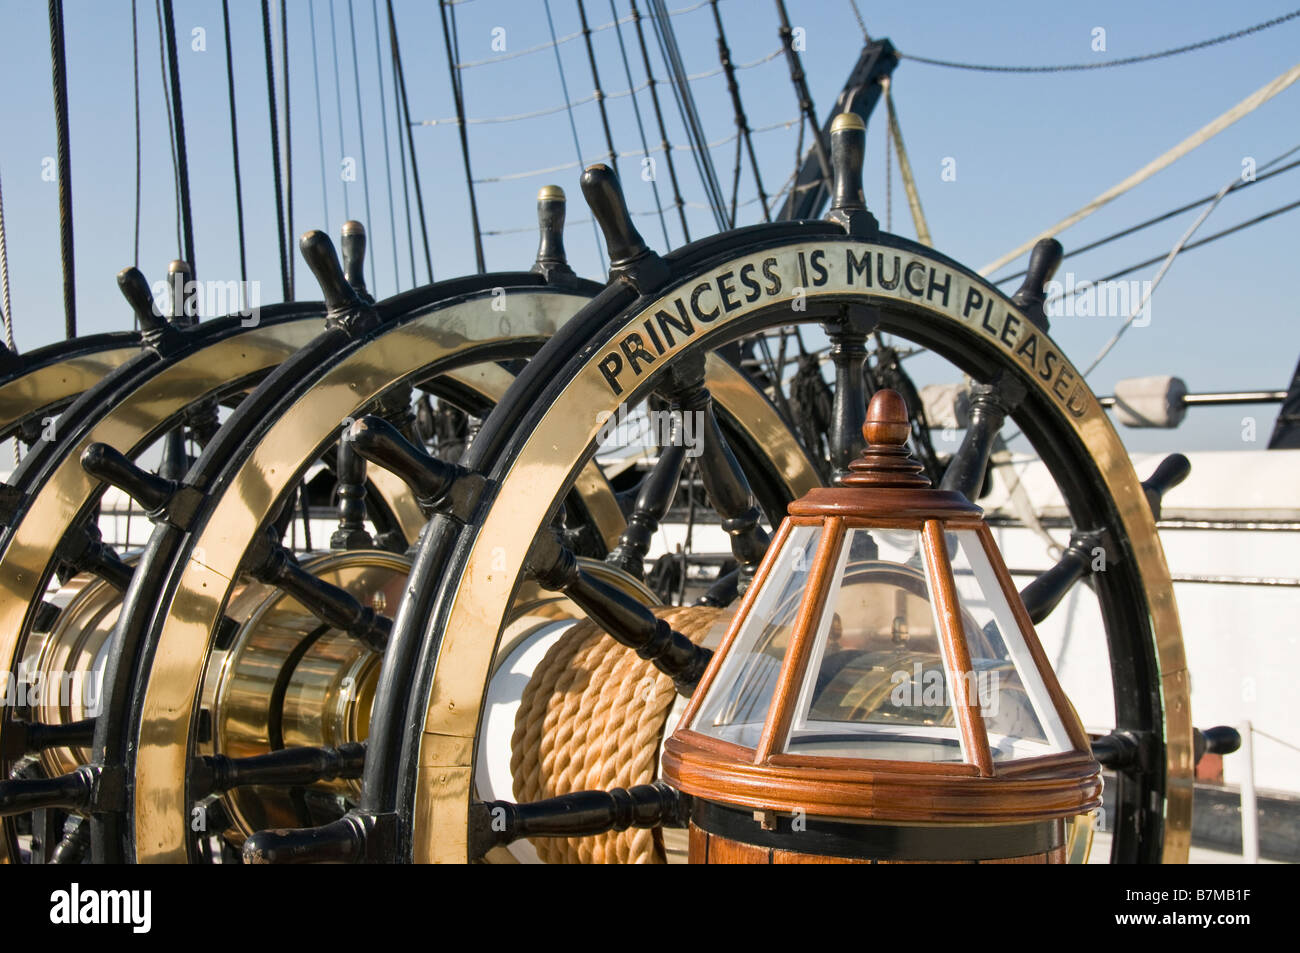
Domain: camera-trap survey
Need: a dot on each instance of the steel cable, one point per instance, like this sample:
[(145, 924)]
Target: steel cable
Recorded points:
[(400, 80), (452, 45), (599, 93), (640, 125), (182, 161), (320, 119), (1106, 64), (361, 134), (388, 157), (573, 126), (275, 149), (58, 60), (288, 143), (234, 151)]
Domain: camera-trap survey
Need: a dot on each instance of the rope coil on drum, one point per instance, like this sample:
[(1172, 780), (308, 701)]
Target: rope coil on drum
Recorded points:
[(592, 717)]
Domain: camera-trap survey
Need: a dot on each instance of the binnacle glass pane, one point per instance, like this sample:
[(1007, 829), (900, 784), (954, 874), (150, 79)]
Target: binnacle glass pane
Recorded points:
[(1018, 712), (739, 697), (876, 685)]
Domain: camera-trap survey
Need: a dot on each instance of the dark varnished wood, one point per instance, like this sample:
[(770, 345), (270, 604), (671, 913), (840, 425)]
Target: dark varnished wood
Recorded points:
[(884, 791)]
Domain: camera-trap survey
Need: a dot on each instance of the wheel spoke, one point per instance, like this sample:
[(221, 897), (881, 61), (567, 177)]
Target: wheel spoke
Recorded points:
[(269, 562), (582, 813), (625, 620), (989, 406)]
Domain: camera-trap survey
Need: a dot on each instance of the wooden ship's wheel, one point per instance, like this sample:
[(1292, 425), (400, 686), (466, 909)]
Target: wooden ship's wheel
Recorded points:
[(338, 707)]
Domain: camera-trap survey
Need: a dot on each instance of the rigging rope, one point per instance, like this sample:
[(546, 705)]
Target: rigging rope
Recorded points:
[(800, 82), (288, 143), (857, 15), (595, 79), (742, 121), (58, 60), (447, 33), (686, 107), (275, 149), (401, 154), (905, 169), (567, 38), (1205, 133), (573, 126), (508, 176), (182, 162), (659, 118), (135, 72), (361, 135), (1258, 219), (399, 78), (320, 119), (1105, 64), (388, 158), (640, 126), (171, 127), (1132, 229), (1159, 275), (338, 103), (6, 307), (8, 312), (234, 151)]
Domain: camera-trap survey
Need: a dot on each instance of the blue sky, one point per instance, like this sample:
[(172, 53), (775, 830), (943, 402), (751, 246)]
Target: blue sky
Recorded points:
[(1029, 149)]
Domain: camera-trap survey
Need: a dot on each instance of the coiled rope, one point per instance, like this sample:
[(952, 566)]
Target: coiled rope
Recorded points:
[(592, 717)]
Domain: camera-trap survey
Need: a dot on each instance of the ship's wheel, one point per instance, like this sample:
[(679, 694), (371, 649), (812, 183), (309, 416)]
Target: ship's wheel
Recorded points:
[(653, 329), (163, 386), (254, 689)]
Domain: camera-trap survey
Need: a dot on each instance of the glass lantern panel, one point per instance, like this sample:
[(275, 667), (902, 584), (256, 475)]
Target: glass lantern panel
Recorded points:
[(876, 682), (1018, 713), (738, 698)]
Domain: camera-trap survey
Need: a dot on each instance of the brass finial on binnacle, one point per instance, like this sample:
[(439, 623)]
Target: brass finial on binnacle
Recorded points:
[(886, 461)]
